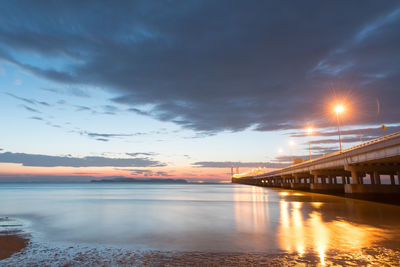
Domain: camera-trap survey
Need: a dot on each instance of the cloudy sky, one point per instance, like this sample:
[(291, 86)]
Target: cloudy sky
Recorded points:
[(186, 88)]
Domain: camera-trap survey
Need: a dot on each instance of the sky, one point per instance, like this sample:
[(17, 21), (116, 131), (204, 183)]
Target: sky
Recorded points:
[(186, 89)]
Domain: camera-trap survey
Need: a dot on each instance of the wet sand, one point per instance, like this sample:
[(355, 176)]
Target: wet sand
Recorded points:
[(12, 239), (44, 255), (18, 249), (10, 244)]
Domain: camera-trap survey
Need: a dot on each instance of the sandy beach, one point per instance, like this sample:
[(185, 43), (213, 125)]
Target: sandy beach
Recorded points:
[(18, 248), (10, 244), (47, 255), (11, 240)]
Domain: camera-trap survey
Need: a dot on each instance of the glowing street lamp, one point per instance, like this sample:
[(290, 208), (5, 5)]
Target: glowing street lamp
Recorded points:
[(339, 109), (310, 131)]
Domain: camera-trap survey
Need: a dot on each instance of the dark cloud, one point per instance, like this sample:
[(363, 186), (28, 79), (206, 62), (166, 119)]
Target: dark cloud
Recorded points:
[(138, 111), (145, 172), (56, 161), (355, 139), (369, 132), (110, 109), (163, 174), (229, 164), (104, 137), (46, 178), (219, 65)]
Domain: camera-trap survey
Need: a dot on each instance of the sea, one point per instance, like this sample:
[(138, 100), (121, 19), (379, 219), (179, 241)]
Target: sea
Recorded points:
[(154, 224)]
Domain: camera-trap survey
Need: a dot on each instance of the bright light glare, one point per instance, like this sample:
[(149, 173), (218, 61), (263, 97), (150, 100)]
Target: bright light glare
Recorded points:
[(280, 150), (339, 108), (291, 142), (310, 130)]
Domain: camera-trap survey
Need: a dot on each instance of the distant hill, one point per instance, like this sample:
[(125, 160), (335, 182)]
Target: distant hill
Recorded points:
[(137, 180)]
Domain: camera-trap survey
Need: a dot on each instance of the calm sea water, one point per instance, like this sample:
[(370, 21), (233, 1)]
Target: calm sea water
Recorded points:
[(195, 217)]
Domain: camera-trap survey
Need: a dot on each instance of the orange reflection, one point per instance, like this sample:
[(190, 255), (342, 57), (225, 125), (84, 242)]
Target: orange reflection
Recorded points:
[(314, 234), (251, 210), (300, 227)]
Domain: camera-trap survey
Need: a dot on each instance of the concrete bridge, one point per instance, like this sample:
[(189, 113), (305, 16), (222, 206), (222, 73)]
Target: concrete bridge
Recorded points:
[(356, 170)]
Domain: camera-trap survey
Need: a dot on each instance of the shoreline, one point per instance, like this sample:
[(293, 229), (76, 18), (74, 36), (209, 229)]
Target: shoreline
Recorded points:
[(11, 243), (41, 254), (12, 238), (18, 246)]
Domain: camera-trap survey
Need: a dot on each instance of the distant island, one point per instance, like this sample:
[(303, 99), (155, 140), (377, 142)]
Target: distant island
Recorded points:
[(137, 180)]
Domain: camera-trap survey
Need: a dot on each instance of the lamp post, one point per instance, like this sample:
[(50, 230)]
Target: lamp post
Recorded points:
[(339, 109), (309, 131)]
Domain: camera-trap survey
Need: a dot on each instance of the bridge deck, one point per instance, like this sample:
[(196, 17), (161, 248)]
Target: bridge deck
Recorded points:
[(375, 157)]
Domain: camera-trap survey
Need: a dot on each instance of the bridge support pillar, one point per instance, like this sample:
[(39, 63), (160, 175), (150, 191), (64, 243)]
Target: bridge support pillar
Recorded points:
[(315, 178), (392, 182), (377, 177), (296, 179), (398, 177), (372, 178), (354, 174)]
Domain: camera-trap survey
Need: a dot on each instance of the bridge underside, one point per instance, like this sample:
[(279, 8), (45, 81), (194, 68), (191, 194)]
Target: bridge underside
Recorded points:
[(356, 171)]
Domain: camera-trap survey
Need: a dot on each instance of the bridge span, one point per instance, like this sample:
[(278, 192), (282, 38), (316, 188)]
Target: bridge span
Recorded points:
[(357, 170)]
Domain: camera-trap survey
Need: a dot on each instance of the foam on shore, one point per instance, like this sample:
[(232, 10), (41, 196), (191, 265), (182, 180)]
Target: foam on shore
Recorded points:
[(38, 252)]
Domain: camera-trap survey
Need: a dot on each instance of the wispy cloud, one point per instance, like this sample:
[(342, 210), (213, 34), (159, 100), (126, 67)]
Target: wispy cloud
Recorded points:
[(135, 154), (70, 91), (229, 164), (371, 131), (38, 160), (82, 108), (36, 118), (107, 136), (146, 172), (31, 109), (29, 101)]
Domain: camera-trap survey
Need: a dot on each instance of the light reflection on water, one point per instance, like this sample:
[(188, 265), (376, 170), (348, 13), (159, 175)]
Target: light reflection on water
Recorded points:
[(302, 228), (225, 218)]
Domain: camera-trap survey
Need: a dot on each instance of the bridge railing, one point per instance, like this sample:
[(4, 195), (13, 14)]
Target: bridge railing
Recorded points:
[(310, 162)]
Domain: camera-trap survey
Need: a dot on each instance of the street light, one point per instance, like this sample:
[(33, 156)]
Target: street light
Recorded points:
[(310, 130), (339, 109)]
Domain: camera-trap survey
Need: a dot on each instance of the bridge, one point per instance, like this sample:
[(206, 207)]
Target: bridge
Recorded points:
[(357, 170)]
